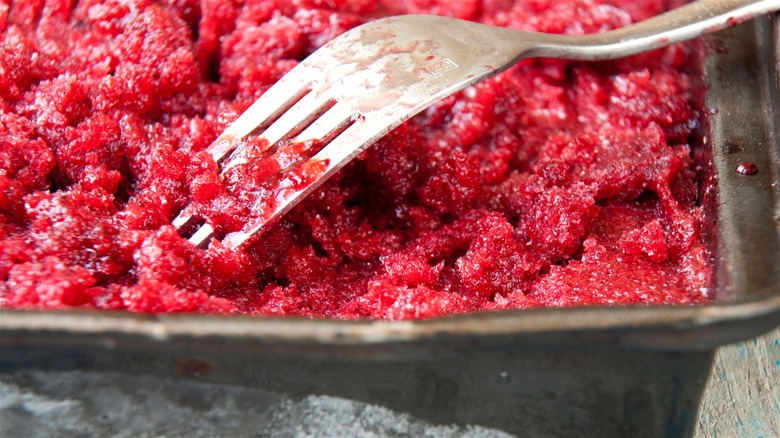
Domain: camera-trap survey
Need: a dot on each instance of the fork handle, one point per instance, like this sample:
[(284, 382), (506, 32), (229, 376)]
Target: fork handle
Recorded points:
[(680, 24)]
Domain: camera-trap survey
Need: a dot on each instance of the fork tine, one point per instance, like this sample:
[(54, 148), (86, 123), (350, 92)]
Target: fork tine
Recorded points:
[(289, 124), (321, 132), (298, 117), (335, 154), (202, 236), (182, 220), (329, 125), (264, 111)]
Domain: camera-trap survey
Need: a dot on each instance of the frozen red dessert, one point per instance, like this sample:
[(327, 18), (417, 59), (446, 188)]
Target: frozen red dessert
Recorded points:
[(555, 183)]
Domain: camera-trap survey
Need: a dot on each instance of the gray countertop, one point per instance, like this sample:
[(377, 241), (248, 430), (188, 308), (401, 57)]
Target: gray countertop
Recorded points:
[(75, 403)]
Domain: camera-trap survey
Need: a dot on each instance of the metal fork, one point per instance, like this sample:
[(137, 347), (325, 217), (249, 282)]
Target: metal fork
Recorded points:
[(361, 85)]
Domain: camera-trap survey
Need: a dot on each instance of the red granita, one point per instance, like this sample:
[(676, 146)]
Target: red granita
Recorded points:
[(556, 183)]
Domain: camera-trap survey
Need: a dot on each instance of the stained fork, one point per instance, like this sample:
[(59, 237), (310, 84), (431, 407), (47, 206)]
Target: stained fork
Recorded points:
[(358, 87)]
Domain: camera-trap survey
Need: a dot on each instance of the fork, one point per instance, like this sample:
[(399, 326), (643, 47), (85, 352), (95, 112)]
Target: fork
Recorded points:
[(358, 87)]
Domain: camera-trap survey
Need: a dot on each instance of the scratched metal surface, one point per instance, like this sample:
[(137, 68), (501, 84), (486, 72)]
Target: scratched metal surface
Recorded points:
[(742, 397)]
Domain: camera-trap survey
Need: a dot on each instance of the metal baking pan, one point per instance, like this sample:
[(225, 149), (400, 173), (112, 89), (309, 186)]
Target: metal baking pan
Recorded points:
[(634, 371)]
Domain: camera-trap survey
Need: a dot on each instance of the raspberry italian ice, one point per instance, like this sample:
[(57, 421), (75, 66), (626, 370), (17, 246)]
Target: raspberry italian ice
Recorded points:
[(556, 183)]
